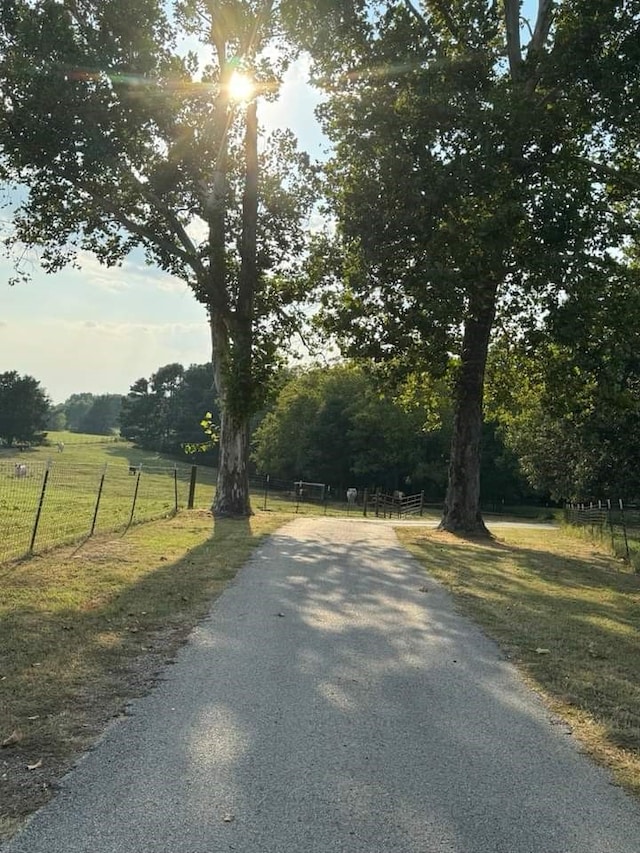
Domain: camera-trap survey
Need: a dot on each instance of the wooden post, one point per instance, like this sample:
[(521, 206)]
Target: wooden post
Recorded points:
[(192, 486), (39, 510), (97, 507), (135, 498), (175, 489), (624, 528)]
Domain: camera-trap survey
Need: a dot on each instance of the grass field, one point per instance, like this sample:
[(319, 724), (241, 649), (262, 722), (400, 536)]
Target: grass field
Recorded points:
[(64, 488), (567, 613), (96, 467)]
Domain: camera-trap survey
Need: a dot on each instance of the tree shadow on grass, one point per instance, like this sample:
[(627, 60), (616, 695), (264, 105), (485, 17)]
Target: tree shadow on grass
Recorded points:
[(82, 665), (409, 726), (571, 622)]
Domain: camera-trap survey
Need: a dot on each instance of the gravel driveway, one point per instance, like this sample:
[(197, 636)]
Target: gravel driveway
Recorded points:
[(334, 701)]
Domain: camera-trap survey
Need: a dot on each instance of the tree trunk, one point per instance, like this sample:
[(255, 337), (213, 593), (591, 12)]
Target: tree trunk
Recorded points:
[(462, 503), (232, 345), (232, 488)]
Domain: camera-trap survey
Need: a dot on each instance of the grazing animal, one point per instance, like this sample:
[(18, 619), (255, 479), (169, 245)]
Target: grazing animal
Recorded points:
[(60, 446), (21, 470), (133, 469), (352, 496)]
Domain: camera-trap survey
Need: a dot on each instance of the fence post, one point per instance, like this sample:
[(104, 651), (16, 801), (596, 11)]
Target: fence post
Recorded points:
[(610, 518), (192, 486), (624, 528), (97, 506), (39, 510), (135, 498), (421, 503), (365, 501), (175, 489), (266, 489)]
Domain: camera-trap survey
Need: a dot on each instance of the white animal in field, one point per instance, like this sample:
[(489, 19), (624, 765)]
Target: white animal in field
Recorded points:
[(60, 446), (21, 470), (352, 496)]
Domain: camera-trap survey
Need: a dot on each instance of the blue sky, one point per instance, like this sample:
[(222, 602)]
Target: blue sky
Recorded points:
[(98, 329)]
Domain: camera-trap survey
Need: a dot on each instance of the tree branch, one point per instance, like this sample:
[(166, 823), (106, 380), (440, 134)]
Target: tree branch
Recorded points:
[(176, 226), (454, 29), (538, 40), (416, 15), (260, 19), (137, 228), (543, 25), (514, 48), (630, 180)]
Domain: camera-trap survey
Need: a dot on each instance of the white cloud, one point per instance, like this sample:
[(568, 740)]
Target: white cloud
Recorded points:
[(73, 356), (295, 107)]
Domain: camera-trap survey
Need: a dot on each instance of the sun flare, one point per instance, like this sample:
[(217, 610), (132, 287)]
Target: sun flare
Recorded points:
[(241, 87)]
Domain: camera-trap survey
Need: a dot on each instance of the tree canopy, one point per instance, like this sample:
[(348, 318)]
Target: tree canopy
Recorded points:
[(97, 414), (567, 396), (164, 412), (24, 406), (124, 143), (334, 425), (486, 170)]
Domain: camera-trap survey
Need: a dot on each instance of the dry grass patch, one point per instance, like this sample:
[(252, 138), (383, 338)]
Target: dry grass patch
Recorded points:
[(566, 614), (83, 630)]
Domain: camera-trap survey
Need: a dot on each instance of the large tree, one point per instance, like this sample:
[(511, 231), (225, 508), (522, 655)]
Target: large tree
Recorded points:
[(571, 414), (123, 144), (486, 167), (24, 407), (164, 412)]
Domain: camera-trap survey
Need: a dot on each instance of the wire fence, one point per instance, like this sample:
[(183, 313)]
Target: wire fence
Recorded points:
[(45, 504), (301, 495), (613, 522)]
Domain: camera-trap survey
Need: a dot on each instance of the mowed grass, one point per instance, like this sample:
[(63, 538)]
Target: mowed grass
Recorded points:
[(82, 630), (567, 613)]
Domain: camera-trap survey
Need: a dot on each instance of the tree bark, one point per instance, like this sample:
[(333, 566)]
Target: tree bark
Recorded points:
[(462, 503), (232, 487), (232, 345)]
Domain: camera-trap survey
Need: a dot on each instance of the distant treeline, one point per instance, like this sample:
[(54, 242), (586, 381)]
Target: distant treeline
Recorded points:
[(564, 425), (96, 414), (164, 412)]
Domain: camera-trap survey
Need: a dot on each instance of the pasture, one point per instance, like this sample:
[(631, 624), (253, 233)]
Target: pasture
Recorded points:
[(100, 484), (95, 485)]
